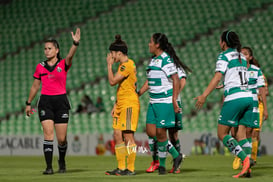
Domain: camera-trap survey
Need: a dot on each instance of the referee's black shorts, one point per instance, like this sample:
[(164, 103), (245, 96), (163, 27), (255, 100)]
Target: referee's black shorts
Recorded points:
[(54, 107)]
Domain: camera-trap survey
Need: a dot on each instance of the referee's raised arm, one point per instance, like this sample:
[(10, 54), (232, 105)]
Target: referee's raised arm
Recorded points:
[(76, 41)]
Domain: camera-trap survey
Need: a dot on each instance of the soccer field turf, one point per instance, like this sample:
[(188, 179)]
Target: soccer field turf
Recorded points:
[(87, 168)]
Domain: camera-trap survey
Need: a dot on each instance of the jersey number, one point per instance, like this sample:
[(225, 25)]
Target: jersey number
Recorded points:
[(243, 78)]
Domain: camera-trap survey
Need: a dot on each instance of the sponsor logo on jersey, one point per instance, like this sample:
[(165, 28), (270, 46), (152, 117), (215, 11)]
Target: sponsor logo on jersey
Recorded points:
[(251, 74), (157, 61), (218, 65), (51, 76), (122, 68), (171, 69), (59, 69), (234, 54)]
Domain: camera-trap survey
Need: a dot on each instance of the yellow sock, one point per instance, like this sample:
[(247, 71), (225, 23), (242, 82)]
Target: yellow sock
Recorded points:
[(120, 155), (131, 152), (254, 149)]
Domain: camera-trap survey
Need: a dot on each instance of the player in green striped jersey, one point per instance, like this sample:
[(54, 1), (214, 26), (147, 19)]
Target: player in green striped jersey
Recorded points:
[(256, 84), (163, 85), (237, 106)]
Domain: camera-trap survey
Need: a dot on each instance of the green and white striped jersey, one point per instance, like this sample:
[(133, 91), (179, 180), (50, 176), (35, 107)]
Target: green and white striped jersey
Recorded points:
[(160, 84), (235, 74), (256, 79)]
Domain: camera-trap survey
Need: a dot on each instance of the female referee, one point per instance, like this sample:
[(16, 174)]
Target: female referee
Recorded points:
[(237, 106), (163, 85), (53, 105)]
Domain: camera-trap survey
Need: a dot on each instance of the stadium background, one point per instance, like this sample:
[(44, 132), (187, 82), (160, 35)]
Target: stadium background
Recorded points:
[(192, 26)]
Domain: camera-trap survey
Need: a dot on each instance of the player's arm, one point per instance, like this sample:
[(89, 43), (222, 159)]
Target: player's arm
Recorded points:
[(113, 79), (33, 91), (176, 86), (266, 91), (262, 92), (144, 88), (76, 40), (182, 84), (219, 86), (113, 109), (266, 86), (212, 85)]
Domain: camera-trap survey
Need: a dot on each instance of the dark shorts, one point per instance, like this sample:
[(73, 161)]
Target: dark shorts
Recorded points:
[(54, 107)]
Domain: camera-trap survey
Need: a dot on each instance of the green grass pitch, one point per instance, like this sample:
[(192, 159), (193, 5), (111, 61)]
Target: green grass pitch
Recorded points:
[(92, 168)]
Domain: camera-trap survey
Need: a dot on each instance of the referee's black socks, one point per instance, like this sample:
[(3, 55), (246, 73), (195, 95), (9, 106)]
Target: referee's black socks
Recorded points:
[(62, 152), (48, 153)]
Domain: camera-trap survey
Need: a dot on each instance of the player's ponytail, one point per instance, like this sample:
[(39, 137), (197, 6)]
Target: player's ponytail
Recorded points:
[(165, 45), (232, 40)]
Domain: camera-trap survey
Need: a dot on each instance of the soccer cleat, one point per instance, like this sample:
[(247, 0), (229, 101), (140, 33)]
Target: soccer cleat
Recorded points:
[(248, 174), (236, 163), (48, 171), (176, 163), (154, 166), (246, 166), (114, 172), (127, 172), (161, 170), (62, 167), (176, 172), (120, 172)]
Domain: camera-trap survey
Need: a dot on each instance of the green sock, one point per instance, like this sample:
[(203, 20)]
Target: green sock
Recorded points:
[(162, 152), (153, 147), (246, 146), (234, 147), (250, 140), (172, 150)]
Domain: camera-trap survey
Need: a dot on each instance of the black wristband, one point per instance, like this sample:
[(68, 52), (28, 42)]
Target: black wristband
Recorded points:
[(27, 103), (76, 43)]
